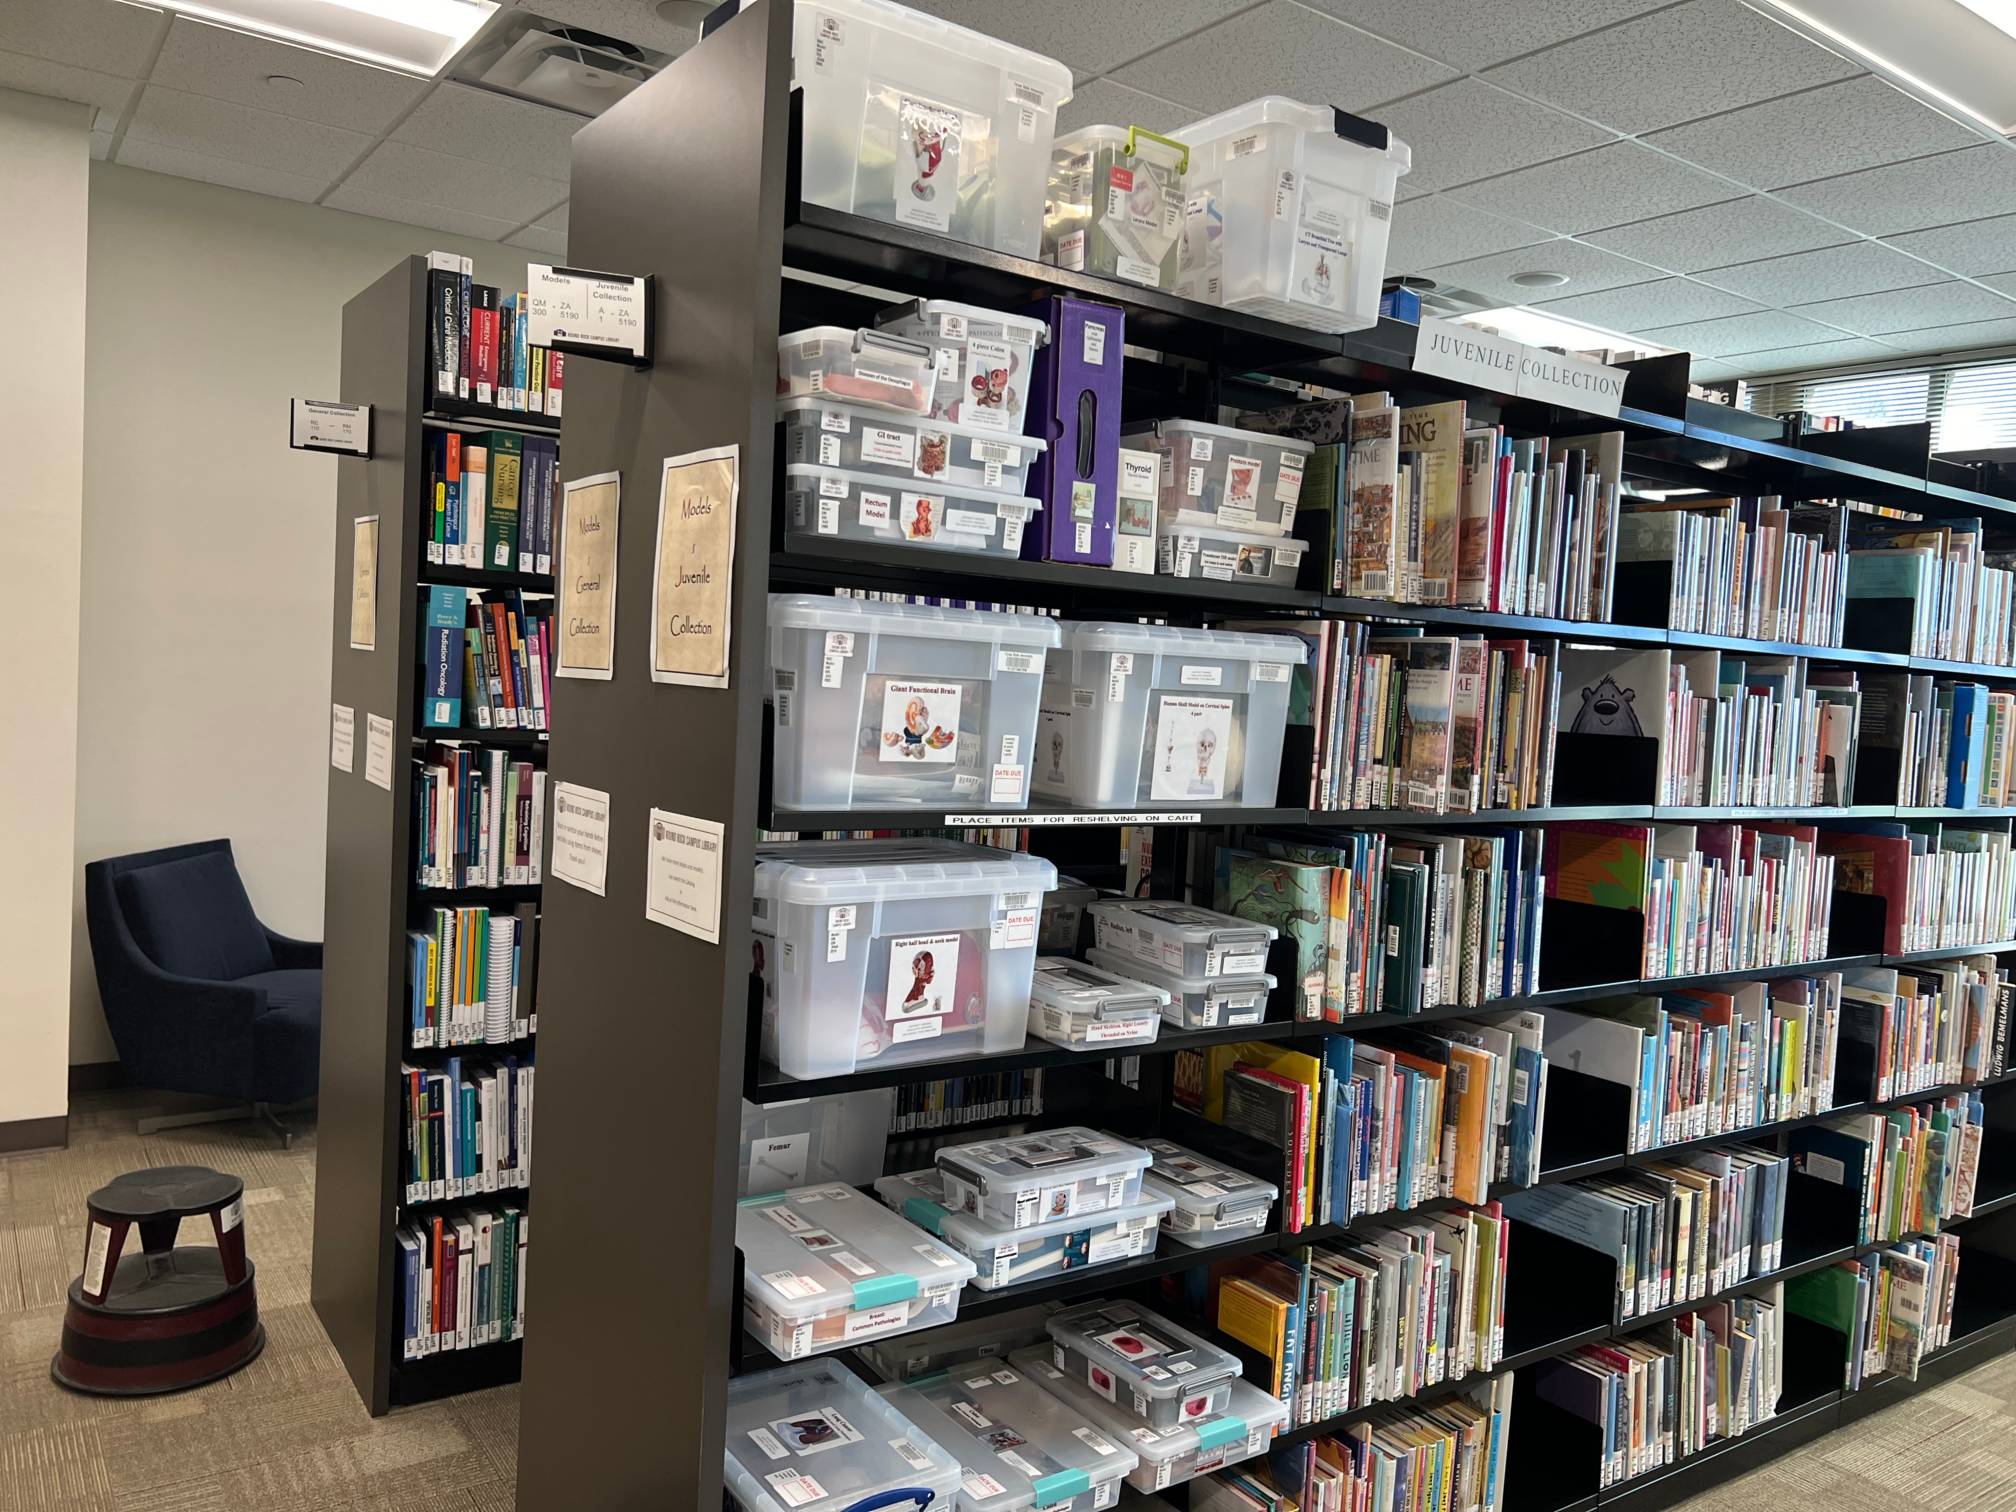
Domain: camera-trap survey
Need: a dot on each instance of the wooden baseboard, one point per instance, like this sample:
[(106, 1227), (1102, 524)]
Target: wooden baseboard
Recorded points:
[(34, 1134), (97, 1076)]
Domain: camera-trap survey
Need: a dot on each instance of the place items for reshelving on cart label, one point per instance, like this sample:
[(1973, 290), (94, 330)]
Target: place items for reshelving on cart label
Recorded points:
[(877, 704), (1218, 475), (812, 1437), (1181, 937), (1026, 1179), (883, 952), (1214, 1202), (1197, 1002), (858, 506), (824, 1266), (1231, 556), (1285, 216), (1142, 1363), (823, 433), (1085, 1007), (1116, 204), (1075, 406), (1161, 715), (913, 120), (984, 360), (875, 368)]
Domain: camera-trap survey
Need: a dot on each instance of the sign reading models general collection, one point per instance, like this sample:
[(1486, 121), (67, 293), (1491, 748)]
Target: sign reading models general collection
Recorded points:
[(1467, 355)]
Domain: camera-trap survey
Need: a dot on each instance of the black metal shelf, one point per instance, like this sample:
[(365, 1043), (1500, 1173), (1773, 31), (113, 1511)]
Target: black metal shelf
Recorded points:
[(1961, 668), (818, 821), (478, 734), (1946, 952), (484, 577), (478, 897), (468, 416), (1483, 620)]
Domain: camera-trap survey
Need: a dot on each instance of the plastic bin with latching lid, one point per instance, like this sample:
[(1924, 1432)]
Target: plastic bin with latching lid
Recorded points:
[(812, 1437), (1010, 1257), (1022, 1179)]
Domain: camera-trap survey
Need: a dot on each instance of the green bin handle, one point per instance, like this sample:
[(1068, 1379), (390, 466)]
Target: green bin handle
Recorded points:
[(1133, 132)]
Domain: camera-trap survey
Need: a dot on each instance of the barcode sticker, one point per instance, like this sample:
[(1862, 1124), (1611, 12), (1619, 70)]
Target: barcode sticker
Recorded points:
[(910, 1454), (1203, 677), (832, 486), (1270, 671), (1117, 673), (836, 420), (94, 1259), (1018, 661)]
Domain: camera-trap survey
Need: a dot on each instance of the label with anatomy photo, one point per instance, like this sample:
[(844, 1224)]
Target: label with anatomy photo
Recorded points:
[(927, 163), (920, 722), (1193, 741), (811, 1432), (923, 969), (1317, 267)]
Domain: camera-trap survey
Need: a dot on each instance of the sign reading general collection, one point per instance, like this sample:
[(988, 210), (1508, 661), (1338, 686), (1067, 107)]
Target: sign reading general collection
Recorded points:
[(323, 425), (589, 509), (693, 568), (1467, 355)]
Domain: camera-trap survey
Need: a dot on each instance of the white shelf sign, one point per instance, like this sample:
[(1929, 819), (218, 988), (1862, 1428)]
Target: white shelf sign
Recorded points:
[(322, 425), (1445, 349), (572, 306)]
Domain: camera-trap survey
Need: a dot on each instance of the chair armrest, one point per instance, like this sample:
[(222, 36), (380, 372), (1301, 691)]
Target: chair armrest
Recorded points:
[(192, 1036), (294, 955)]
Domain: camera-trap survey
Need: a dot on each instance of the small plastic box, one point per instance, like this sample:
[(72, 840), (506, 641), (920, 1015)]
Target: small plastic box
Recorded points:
[(812, 1437), (983, 358), (1063, 910), (864, 366), (1197, 1002), (1142, 1363), (914, 120), (1026, 1179), (1085, 1007), (908, 1356), (825, 1267), (1188, 550), (1164, 716), (885, 952), (1284, 217), (1181, 937), (842, 1138), (1019, 1447), (821, 433), (1214, 1203), (937, 706), (1006, 1257), (1169, 1456), (1116, 204), (859, 506), (1237, 480)]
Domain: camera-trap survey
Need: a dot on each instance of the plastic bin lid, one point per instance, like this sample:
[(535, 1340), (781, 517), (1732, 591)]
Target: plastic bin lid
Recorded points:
[(1230, 433), (926, 312), (1181, 640), (920, 1197), (1279, 110), (1146, 143), (1029, 1162), (1058, 1455), (1203, 1186), (845, 871), (1194, 525), (811, 1437), (1074, 987), (1179, 985), (820, 1249), (1199, 926), (816, 611), (807, 475), (977, 46), (856, 337), (1142, 1348), (1251, 1410), (821, 404)]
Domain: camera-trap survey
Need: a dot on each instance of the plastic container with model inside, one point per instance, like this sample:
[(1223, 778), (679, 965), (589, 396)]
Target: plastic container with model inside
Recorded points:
[(1005, 1257), (887, 952), (916, 121), (1019, 1446), (1214, 1202), (1116, 204), (1242, 558), (825, 1267), (1236, 480), (1142, 1363), (859, 506), (1181, 937), (1063, 911), (882, 704), (866, 367), (1085, 1007), (1025, 1179), (812, 1437), (905, 1357), (1197, 1002), (1285, 217), (983, 358), (815, 1140), (822, 433), (1163, 716)]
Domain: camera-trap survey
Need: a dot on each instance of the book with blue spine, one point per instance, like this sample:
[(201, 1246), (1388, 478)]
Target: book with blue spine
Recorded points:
[(1967, 751), (442, 657)]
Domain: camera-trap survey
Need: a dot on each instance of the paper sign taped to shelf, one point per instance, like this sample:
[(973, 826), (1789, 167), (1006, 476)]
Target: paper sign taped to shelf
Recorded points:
[(576, 306), (682, 876), (364, 583), (378, 751), (342, 737), (590, 509), (1445, 349), (581, 836), (694, 567), (323, 425)]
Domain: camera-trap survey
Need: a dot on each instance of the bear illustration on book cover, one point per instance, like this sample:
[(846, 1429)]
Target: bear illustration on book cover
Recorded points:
[(1607, 710)]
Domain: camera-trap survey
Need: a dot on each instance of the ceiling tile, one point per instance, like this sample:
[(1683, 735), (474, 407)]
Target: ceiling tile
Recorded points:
[(1467, 35), (39, 76), (1672, 66), (137, 153), (1663, 302), (539, 239), (1715, 370), (2005, 282), (1469, 130), (493, 128), (1765, 331), (399, 170), (220, 129), (1859, 267), (1608, 187), (230, 65), (554, 219), (1951, 303), (1813, 355), (1439, 230), (1923, 192), (1838, 128), (1091, 38), (1739, 231), (1280, 48), (99, 34), (1588, 269), (625, 20), (1969, 249), (1105, 103), (1955, 338), (428, 213)]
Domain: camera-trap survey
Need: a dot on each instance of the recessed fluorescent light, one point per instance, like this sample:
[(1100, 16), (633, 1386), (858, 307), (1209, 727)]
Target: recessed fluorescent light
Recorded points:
[(412, 36), (1955, 55), (1536, 328)]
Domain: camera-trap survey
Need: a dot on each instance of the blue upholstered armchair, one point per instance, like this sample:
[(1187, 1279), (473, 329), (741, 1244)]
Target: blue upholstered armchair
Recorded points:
[(200, 996)]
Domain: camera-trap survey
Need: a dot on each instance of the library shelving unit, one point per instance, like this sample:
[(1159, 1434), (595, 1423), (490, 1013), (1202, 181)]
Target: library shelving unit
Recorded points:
[(372, 898), (634, 1317)]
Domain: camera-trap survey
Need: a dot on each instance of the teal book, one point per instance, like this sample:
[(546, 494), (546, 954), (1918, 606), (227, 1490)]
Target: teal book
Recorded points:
[(1293, 896), (442, 656)]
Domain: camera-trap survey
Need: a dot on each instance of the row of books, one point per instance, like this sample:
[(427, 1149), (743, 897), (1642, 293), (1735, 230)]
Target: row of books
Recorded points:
[(1911, 1169), (479, 817), (462, 1279), (487, 660), (493, 495), (1941, 883), (1893, 1307), (1755, 732), (1954, 742), (1937, 1025), (959, 1100), (470, 976), (468, 1127), (1733, 897), (478, 346), (1739, 567), (1932, 588)]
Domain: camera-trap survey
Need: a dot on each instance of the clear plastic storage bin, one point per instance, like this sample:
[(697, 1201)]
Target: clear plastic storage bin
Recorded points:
[(1197, 1002), (908, 1356), (843, 1138), (1214, 1203), (1116, 204), (1284, 218), (983, 358), (1004, 1256), (881, 704), (1173, 1455), (1019, 1447), (812, 1437), (884, 952), (859, 506), (825, 1267), (1181, 937), (874, 368), (914, 120), (1025, 1179), (1229, 556), (1063, 910), (1162, 716), (1142, 1363), (1085, 1007), (1237, 480), (820, 433)]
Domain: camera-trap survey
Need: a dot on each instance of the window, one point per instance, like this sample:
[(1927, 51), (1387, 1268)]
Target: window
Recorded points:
[(1972, 406)]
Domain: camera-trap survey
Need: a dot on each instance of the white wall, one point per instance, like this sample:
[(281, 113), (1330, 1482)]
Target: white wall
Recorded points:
[(45, 158), (206, 574)]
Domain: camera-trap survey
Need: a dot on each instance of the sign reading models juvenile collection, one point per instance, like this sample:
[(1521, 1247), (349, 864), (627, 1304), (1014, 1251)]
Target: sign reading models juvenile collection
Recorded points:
[(694, 567), (595, 314)]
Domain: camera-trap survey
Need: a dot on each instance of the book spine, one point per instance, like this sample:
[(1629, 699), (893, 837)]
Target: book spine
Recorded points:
[(463, 292)]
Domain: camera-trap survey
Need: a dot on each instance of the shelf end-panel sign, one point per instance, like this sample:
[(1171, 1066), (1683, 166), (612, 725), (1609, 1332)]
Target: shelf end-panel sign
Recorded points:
[(326, 426), (574, 308), (1464, 354)]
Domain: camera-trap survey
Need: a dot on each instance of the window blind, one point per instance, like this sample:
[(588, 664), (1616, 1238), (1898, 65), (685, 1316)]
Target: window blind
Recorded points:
[(1970, 404)]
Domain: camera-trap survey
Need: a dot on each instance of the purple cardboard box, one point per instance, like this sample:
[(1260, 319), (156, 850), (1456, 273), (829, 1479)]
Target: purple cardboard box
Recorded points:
[(1074, 404)]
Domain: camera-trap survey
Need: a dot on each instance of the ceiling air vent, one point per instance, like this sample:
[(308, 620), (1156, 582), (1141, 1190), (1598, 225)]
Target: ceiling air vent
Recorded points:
[(567, 67)]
